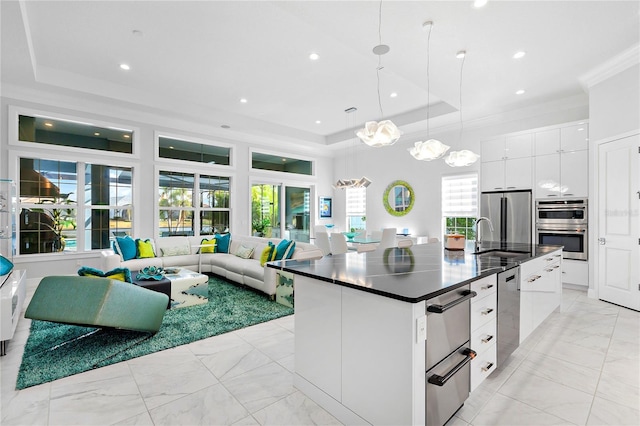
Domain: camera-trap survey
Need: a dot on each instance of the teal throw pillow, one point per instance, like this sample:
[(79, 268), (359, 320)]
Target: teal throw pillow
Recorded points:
[(285, 249), (126, 247), (120, 274), (222, 243), (5, 265)]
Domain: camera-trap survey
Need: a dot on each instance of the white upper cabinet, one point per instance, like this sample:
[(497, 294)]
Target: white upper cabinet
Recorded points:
[(518, 146), (506, 163), (574, 138), (492, 150), (547, 142)]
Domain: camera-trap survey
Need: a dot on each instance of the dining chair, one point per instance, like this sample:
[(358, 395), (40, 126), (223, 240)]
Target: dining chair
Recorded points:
[(376, 235), (322, 241), (319, 228), (388, 238), (338, 243), (433, 240)]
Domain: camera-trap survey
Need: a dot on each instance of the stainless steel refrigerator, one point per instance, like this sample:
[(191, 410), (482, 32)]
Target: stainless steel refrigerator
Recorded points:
[(510, 214)]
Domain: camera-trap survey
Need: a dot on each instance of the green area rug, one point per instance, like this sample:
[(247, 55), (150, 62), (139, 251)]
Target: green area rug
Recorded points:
[(56, 350)]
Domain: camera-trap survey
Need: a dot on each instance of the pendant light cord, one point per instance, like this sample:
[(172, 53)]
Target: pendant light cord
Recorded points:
[(461, 122), (379, 67), (428, 80)]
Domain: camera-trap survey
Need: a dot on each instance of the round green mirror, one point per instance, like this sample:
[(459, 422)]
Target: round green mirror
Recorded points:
[(398, 198)]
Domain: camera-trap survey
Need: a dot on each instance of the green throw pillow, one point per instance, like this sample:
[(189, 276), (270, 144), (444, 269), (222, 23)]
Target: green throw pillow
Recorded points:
[(210, 246), (267, 253), (120, 274), (144, 249)]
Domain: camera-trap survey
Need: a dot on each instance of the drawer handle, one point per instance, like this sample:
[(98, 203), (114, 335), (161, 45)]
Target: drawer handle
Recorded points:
[(486, 287), (487, 367), (549, 259), (439, 309), (486, 339), (486, 311), (533, 278), (442, 380), (549, 270)]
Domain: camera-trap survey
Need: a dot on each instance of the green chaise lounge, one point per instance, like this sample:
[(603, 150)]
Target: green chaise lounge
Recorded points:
[(99, 302)]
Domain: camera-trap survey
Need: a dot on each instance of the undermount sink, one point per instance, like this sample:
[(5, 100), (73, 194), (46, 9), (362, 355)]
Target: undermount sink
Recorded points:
[(500, 253)]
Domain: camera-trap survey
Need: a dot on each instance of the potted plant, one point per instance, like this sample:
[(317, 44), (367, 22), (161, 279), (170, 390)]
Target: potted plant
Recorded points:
[(59, 220), (259, 225)]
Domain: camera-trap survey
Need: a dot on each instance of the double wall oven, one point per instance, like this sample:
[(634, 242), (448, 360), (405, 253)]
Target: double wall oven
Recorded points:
[(565, 223)]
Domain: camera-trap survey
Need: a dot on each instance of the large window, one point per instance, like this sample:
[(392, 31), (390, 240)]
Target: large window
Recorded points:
[(51, 194), (460, 204), (356, 208), (180, 212), (278, 163)]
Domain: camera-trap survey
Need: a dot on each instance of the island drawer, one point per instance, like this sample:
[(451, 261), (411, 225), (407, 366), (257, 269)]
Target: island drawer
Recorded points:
[(483, 365), (484, 336), (483, 311), (484, 287)]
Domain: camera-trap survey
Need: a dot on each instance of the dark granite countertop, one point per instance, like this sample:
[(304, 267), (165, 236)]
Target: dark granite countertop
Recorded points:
[(417, 273)]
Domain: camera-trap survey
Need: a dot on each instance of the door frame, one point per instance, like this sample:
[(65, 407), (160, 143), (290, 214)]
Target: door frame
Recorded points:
[(594, 220)]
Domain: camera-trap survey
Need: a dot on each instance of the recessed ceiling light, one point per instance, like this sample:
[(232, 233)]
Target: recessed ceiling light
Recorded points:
[(126, 136), (318, 122), (393, 95), (125, 67), (581, 129), (48, 124), (314, 56), (170, 147), (96, 134), (461, 54), (519, 55), (243, 101), (479, 3), (520, 92), (284, 159)]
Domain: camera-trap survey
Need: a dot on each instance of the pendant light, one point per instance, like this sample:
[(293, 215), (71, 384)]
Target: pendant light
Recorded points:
[(362, 182), (464, 157), (384, 132), (431, 149)]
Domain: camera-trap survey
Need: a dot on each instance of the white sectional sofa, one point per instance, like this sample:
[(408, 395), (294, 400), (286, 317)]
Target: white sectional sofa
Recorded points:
[(228, 265)]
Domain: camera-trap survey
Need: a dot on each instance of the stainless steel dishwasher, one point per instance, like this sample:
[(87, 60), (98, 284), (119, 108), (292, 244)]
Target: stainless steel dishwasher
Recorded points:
[(508, 313), (447, 354)]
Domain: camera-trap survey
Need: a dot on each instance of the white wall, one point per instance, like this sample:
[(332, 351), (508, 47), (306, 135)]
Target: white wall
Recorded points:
[(384, 165), (145, 193)]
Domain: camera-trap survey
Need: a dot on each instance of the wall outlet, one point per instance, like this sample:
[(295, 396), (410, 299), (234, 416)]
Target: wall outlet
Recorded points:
[(421, 329)]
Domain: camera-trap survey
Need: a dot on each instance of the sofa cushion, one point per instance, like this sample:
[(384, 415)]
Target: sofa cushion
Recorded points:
[(210, 245), (120, 274), (244, 252), (175, 251), (125, 247), (144, 249), (222, 243), (254, 270), (237, 264)]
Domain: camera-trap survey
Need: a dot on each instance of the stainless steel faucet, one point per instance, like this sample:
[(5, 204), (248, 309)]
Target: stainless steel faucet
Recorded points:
[(478, 239)]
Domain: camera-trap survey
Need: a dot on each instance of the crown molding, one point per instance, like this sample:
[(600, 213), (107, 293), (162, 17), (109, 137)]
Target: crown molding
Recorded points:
[(613, 66)]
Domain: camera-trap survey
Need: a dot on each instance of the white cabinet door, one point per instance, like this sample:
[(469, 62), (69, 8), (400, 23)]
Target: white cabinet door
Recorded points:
[(574, 174), (492, 150), (517, 173), (547, 142), (547, 176), (574, 138), (492, 175), (518, 146)]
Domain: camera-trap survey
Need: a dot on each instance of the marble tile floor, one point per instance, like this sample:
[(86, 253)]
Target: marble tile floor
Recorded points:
[(581, 366)]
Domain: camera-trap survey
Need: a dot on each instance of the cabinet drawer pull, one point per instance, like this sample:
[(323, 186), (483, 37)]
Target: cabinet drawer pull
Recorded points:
[(439, 309), (486, 311), (486, 287), (533, 278), (549, 270), (442, 380), (487, 339), (487, 367), (549, 259)]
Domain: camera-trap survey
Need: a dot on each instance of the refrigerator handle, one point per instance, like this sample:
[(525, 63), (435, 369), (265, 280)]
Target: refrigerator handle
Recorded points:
[(503, 222)]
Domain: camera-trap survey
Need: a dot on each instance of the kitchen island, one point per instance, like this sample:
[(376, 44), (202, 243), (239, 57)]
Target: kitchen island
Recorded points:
[(361, 324)]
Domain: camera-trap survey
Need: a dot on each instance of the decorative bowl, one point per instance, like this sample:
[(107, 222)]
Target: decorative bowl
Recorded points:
[(329, 225), (349, 235), (151, 273)]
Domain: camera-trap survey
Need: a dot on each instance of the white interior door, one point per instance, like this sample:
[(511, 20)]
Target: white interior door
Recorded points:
[(619, 222)]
